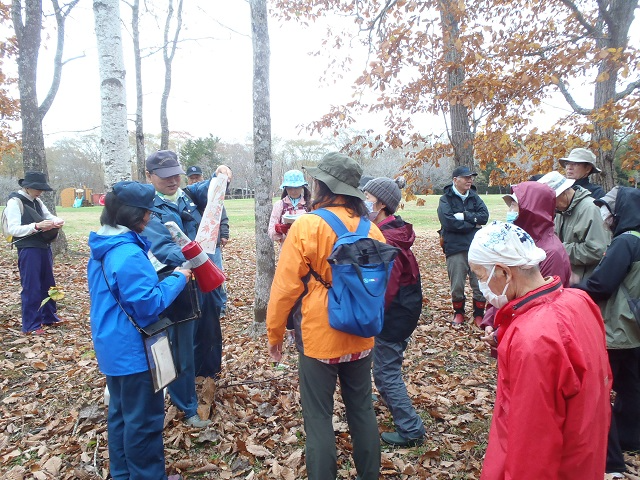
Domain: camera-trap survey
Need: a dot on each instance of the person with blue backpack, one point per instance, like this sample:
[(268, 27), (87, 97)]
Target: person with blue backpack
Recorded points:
[(305, 285), (403, 305)]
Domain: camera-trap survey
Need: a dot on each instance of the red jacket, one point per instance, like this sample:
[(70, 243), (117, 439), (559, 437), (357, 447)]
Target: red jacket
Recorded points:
[(552, 411)]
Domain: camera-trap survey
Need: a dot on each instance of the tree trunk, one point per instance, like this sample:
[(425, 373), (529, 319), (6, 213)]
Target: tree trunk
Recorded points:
[(265, 264), (115, 143), (140, 153), (460, 133), (613, 33), (168, 51), (28, 35)]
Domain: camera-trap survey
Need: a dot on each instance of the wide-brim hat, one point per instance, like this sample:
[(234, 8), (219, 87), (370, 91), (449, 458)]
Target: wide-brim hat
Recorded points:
[(136, 194), (558, 182), (164, 163), (581, 155), (35, 180), (340, 173), (509, 198)]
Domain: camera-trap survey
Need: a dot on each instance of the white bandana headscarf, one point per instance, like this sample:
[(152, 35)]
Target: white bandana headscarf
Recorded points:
[(505, 243)]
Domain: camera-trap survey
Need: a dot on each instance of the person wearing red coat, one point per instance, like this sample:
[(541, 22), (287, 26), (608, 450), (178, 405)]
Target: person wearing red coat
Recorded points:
[(552, 410)]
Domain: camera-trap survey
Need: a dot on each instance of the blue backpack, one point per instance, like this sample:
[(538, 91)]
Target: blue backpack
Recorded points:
[(360, 268)]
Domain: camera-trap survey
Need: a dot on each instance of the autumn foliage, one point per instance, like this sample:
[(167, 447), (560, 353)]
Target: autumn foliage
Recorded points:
[(517, 63)]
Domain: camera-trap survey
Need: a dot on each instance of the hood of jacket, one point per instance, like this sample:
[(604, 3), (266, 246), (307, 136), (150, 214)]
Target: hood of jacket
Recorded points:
[(398, 232), (627, 210), (580, 195), (107, 238), (537, 203)]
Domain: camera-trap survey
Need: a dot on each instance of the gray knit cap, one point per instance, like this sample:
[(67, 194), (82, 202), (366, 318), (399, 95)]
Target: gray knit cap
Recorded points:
[(386, 190)]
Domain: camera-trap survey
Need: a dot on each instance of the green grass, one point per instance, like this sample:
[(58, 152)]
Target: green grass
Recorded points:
[(80, 221)]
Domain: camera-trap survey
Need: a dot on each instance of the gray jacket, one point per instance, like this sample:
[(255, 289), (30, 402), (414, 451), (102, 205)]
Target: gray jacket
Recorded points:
[(583, 233)]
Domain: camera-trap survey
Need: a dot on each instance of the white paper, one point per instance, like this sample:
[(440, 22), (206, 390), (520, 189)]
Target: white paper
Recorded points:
[(210, 225), (164, 367)]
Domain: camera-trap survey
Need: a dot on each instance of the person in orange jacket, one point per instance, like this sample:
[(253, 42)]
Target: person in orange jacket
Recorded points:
[(552, 410), (325, 354)]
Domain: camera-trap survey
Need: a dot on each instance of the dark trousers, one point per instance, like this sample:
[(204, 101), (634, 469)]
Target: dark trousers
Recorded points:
[(624, 433), (36, 276), (317, 385), (183, 389), (208, 336), (136, 418)]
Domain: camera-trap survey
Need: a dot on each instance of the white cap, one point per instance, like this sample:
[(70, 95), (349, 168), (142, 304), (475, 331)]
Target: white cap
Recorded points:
[(558, 182)]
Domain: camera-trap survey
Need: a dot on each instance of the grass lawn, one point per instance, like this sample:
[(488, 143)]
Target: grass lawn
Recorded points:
[(80, 221)]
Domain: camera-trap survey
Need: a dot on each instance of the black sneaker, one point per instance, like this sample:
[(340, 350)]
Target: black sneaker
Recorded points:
[(397, 440)]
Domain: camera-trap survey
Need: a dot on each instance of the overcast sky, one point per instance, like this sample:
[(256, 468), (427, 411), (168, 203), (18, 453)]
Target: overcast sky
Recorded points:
[(212, 75)]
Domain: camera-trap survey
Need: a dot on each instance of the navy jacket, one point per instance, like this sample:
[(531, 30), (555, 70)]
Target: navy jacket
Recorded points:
[(458, 234), (596, 190)]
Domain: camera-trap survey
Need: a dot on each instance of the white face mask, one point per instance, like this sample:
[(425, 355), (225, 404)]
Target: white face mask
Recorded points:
[(373, 214), (497, 301)]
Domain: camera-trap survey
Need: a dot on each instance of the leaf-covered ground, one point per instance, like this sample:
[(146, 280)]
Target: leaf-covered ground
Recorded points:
[(53, 420)]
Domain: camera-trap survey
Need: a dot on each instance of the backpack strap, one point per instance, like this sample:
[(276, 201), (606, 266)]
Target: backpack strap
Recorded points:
[(339, 229)]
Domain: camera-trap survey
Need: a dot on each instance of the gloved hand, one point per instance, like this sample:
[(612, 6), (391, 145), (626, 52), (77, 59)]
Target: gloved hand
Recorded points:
[(282, 228), (459, 216)]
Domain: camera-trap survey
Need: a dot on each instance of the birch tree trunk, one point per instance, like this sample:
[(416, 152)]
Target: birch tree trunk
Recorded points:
[(265, 264), (116, 159)]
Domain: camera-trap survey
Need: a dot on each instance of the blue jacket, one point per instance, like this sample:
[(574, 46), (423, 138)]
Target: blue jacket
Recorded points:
[(186, 214), (458, 234), (118, 345)]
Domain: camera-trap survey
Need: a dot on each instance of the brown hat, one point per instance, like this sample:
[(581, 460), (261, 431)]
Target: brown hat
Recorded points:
[(340, 173)]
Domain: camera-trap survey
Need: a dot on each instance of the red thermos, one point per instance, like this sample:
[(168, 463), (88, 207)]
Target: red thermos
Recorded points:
[(208, 276)]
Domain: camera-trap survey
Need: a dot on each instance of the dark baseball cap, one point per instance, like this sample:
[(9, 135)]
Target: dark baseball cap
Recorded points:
[(164, 163), (194, 170), (463, 171), (136, 194)]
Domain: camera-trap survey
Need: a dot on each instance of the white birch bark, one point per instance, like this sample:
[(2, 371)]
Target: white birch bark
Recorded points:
[(116, 159)]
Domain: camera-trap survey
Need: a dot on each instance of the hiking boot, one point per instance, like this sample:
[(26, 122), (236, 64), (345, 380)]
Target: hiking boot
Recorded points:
[(458, 319), (58, 323), (478, 312), (478, 321), (397, 440), (197, 422)]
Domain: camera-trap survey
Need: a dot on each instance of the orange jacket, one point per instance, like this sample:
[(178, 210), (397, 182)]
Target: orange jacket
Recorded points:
[(309, 242)]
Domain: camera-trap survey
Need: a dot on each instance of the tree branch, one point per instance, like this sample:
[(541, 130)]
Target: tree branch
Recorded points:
[(61, 16), (567, 96), (630, 88), (580, 17)]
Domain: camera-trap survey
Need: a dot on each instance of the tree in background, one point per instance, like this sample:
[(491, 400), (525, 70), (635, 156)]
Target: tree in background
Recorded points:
[(169, 47), (135, 33), (265, 263), (500, 60), (27, 24), (116, 158), (9, 106), (202, 151)]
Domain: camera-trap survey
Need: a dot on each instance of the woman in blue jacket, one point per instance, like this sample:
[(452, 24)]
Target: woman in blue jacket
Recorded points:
[(119, 256)]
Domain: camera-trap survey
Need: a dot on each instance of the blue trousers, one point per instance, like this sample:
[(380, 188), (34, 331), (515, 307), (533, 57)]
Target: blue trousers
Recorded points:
[(387, 374), (36, 276), (183, 389), (221, 291), (317, 384), (136, 418)]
